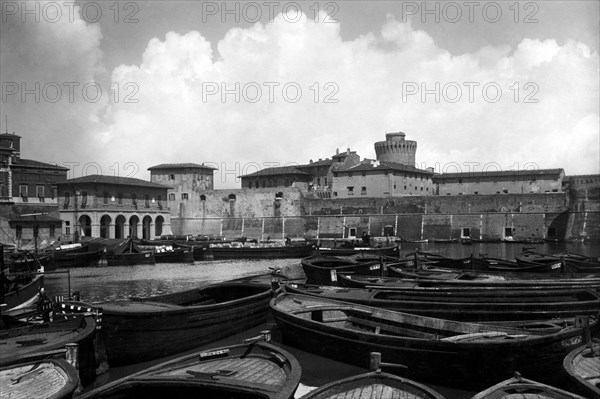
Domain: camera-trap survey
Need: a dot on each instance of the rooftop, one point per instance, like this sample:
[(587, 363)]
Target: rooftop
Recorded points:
[(280, 170), (181, 166), (503, 173), (117, 180), (30, 163), (385, 165)]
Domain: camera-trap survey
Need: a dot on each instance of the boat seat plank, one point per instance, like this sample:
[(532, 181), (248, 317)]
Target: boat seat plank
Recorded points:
[(389, 329)]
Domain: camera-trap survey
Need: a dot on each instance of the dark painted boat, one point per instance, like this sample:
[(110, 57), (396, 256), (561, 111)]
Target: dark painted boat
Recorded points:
[(28, 262), (174, 255), (321, 269), (449, 353), (39, 341), (374, 385), (142, 329), (480, 305), (572, 262), (522, 388), (390, 250), (229, 251), (23, 292), (48, 379), (527, 280), (130, 258), (583, 366), (250, 370), (77, 257)]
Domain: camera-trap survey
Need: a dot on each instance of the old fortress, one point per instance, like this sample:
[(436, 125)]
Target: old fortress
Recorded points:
[(341, 196)]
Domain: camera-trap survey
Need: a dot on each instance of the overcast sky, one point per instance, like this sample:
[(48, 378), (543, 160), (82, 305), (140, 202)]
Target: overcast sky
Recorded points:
[(114, 88)]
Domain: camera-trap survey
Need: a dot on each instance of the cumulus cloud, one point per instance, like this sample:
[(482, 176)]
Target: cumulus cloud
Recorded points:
[(283, 92)]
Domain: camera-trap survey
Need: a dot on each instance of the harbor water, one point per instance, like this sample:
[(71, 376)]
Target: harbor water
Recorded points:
[(113, 283)]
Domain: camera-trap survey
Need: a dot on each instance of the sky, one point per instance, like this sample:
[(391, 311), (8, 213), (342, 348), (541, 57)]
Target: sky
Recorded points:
[(105, 87)]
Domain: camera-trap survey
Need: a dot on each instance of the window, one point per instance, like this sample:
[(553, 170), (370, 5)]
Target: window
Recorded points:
[(105, 198), (508, 231), (67, 199), (19, 231), (39, 190), (386, 173), (335, 193), (465, 232), (147, 201), (52, 230), (405, 187), (250, 184), (364, 173), (505, 191), (184, 196), (159, 200), (202, 197), (120, 198), (476, 192), (350, 190), (84, 199), (68, 228), (134, 200), (363, 191), (23, 190), (171, 177), (171, 197)]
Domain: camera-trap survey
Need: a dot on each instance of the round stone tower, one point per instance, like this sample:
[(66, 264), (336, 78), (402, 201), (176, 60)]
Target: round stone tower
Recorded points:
[(396, 149)]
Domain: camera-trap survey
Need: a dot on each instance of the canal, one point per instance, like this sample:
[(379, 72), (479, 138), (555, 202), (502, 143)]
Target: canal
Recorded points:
[(110, 283)]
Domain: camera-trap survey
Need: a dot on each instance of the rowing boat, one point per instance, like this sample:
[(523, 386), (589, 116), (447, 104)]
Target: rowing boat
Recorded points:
[(250, 370), (48, 379), (38, 341), (583, 366), (448, 353), (523, 388), (480, 305), (374, 385), (142, 329), (323, 269)]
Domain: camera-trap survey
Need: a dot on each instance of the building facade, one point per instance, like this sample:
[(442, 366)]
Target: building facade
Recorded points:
[(188, 184), (381, 179), (500, 182), (113, 207), (28, 198)]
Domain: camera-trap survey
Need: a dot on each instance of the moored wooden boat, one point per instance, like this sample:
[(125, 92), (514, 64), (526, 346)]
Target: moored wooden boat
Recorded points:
[(141, 329), (502, 282), (23, 292), (321, 269), (480, 305), (583, 366), (252, 370), (38, 341), (522, 388), (65, 259), (228, 251), (374, 385), (445, 352), (48, 379), (389, 250)]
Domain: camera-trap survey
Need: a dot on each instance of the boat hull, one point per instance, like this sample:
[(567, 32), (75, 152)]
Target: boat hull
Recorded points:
[(136, 331), (289, 251), (257, 370), (34, 342), (472, 364)]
